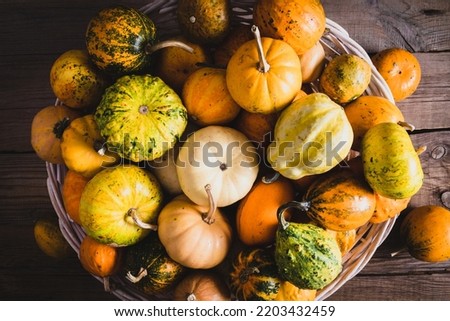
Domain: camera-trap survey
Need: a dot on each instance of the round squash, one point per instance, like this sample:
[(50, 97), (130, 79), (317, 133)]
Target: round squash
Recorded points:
[(207, 99), (237, 36), (220, 157), (264, 75), (256, 216), (47, 129), (119, 205), (72, 189), (83, 148), (426, 233), (149, 268), (300, 23), (257, 127), (140, 117), (202, 285), (400, 69), (312, 62), (49, 238), (195, 236)]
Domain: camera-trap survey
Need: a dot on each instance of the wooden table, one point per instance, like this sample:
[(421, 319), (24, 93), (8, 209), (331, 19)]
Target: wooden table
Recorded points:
[(34, 33)]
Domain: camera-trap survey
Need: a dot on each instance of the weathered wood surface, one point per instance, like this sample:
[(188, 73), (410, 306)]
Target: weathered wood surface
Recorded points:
[(34, 33)]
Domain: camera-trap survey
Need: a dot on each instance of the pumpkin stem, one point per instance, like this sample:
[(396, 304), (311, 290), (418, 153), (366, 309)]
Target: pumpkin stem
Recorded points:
[(243, 277), (420, 150), (407, 125), (135, 279), (167, 43), (100, 147), (191, 297), (270, 179), (146, 226), (263, 65), (60, 126), (302, 206), (208, 217)]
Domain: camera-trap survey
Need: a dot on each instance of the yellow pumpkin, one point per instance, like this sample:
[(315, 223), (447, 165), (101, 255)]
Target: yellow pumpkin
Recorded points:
[(264, 75), (83, 149)]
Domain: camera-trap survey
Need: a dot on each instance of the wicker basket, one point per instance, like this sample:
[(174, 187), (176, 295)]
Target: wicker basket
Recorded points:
[(335, 41)]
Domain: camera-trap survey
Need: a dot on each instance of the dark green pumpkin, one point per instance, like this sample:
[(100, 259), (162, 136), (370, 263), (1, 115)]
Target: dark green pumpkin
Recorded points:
[(254, 276), (148, 266), (117, 39)]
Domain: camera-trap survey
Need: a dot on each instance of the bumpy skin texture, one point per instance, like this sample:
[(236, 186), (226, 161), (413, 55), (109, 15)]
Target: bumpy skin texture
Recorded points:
[(307, 256), (116, 40), (140, 117), (390, 162)]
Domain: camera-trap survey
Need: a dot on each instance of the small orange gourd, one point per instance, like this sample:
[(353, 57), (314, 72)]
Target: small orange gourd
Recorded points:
[(72, 189), (387, 208), (202, 285), (289, 292)]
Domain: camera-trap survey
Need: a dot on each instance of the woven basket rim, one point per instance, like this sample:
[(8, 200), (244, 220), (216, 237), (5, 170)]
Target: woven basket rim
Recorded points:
[(335, 40)]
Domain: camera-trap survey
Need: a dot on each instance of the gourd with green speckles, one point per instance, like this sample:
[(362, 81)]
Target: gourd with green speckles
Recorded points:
[(140, 117), (391, 164), (306, 255)]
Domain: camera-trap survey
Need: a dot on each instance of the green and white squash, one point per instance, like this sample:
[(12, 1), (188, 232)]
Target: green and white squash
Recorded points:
[(140, 117)]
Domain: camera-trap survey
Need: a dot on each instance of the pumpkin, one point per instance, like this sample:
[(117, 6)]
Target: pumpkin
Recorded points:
[(300, 23), (312, 62), (100, 259), (311, 136), (204, 21), (149, 268), (195, 236), (202, 285), (306, 255), (400, 69), (337, 201), (72, 189), (207, 99), (345, 78), (220, 157), (47, 128), (425, 231), (256, 215), (237, 36), (367, 111), (264, 74), (119, 205), (289, 292), (387, 208), (83, 148), (390, 162), (49, 238), (345, 239), (76, 81), (257, 127), (254, 275), (140, 117)]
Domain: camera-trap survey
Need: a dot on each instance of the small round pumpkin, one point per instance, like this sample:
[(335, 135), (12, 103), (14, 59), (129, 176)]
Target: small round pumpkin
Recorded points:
[(207, 99), (264, 75), (256, 126), (426, 233), (256, 216), (300, 23), (312, 62), (195, 236), (387, 208), (400, 69), (202, 285), (237, 36), (83, 148), (73, 186), (47, 129)]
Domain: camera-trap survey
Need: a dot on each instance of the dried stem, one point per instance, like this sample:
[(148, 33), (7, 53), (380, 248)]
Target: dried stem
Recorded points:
[(263, 64)]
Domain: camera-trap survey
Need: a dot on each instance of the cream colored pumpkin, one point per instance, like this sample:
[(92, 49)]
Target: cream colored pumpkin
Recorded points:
[(221, 157)]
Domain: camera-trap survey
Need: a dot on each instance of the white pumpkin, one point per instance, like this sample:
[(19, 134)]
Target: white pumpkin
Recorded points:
[(222, 157)]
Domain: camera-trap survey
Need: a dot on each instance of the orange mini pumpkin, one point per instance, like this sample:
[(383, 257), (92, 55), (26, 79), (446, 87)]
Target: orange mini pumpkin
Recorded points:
[(72, 189)]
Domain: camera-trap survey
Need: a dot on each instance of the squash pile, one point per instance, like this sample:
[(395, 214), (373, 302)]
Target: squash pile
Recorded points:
[(213, 159)]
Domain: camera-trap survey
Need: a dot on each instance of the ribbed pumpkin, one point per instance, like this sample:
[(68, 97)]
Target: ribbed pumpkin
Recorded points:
[(140, 117), (300, 23), (202, 285), (254, 275), (149, 268), (311, 136), (72, 189), (426, 233), (337, 201)]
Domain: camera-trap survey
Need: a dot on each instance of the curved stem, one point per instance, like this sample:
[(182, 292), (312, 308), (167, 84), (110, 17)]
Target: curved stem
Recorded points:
[(407, 125), (302, 206), (135, 279), (208, 217), (263, 64), (146, 226), (167, 43), (270, 179)]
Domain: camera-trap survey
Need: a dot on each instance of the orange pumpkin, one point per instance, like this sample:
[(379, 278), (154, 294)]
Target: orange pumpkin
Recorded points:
[(313, 62), (367, 111), (207, 99), (300, 23), (72, 189), (387, 208), (400, 69), (47, 128), (257, 127), (345, 239), (237, 36), (256, 217), (289, 292), (426, 233), (202, 285)]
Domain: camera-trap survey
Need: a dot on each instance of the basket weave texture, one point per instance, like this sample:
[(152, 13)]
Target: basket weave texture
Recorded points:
[(335, 41)]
